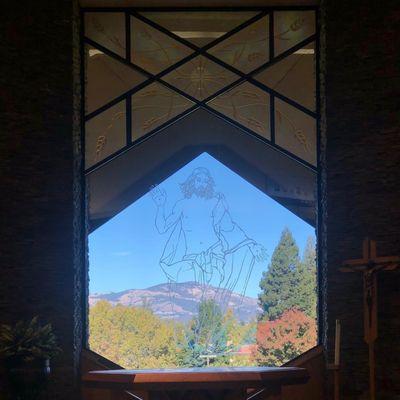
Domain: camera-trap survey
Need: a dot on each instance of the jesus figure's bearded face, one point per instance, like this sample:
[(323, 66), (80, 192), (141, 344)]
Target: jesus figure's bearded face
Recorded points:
[(199, 183)]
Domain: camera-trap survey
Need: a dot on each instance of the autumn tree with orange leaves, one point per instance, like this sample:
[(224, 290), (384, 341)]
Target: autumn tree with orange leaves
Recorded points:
[(284, 338)]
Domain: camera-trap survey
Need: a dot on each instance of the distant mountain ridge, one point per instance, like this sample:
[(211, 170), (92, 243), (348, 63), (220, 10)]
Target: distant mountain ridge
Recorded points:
[(180, 301)]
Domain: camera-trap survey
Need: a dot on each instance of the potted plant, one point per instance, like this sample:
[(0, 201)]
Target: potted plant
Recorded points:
[(26, 349)]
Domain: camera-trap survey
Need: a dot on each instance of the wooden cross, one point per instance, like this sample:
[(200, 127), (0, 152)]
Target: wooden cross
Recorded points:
[(369, 265)]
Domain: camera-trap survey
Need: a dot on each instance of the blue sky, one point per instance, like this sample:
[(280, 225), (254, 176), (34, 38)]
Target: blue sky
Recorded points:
[(124, 253)]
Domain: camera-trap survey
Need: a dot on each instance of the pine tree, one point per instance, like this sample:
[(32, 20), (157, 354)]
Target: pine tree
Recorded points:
[(207, 336), (278, 283), (307, 280)]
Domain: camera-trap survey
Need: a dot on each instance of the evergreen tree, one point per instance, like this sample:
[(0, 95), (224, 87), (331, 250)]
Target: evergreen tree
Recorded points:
[(307, 280), (207, 336), (279, 282)]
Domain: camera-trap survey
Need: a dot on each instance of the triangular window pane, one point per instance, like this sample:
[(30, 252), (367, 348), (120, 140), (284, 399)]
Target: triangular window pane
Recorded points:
[(291, 28), (293, 76), (105, 134), (107, 78), (247, 49), (107, 29), (153, 50), (199, 28), (153, 106), (247, 105), (295, 131), (200, 77)]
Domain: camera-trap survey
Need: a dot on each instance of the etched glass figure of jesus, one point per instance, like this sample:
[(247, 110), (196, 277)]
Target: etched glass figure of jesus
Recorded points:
[(205, 244)]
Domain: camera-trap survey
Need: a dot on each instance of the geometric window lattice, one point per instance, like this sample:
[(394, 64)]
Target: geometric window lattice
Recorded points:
[(153, 106), (146, 69), (107, 29), (291, 28), (197, 27), (153, 50), (107, 78), (295, 131), (105, 134), (200, 77), (248, 105), (247, 49), (283, 76)]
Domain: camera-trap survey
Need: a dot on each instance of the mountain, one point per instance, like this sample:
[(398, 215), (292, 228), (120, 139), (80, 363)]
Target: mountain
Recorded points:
[(180, 301)]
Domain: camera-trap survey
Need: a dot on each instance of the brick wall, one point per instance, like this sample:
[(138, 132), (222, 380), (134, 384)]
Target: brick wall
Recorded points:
[(40, 207), (361, 178)]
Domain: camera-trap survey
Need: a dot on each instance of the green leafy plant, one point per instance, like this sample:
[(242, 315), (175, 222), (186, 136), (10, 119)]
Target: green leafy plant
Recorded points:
[(27, 341)]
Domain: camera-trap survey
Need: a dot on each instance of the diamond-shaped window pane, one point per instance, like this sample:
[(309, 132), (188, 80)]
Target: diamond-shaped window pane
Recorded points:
[(107, 29), (199, 28), (292, 27), (153, 50), (105, 134), (153, 106), (293, 76), (248, 105), (247, 49), (107, 78), (295, 131), (200, 77)]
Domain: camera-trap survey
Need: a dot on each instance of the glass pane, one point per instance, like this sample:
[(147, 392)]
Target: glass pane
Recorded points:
[(107, 78), (153, 50), (295, 131), (246, 104), (199, 28), (105, 134), (200, 77), (107, 29), (153, 106), (247, 49), (294, 76), (204, 269), (292, 27)]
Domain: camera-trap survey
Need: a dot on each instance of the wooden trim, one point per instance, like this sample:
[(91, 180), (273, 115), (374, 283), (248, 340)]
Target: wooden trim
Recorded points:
[(196, 378)]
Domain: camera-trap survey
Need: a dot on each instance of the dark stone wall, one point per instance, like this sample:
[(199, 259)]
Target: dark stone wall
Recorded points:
[(361, 179), (41, 252)]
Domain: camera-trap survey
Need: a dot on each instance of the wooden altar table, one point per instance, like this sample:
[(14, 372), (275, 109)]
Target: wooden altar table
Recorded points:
[(200, 383)]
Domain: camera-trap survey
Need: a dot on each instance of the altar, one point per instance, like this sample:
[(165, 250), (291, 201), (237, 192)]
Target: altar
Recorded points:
[(198, 383)]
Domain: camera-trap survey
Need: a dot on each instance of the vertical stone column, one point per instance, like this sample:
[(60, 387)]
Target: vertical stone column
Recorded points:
[(361, 130), (41, 240)]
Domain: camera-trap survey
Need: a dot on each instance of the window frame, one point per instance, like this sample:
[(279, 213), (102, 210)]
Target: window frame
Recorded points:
[(244, 77)]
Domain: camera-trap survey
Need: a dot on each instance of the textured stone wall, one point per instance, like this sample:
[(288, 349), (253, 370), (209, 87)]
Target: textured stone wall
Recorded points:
[(41, 253), (361, 179)]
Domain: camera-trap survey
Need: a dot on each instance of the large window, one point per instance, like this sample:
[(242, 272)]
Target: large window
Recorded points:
[(200, 144)]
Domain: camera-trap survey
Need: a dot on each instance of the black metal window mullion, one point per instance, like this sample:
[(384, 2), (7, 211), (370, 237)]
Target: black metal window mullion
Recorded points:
[(242, 77), (142, 139), (271, 36), (128, 100), (272, 117), (259, 137), (128, 37), (250, 76), (199, 50), (128, 104), (271, 40)]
